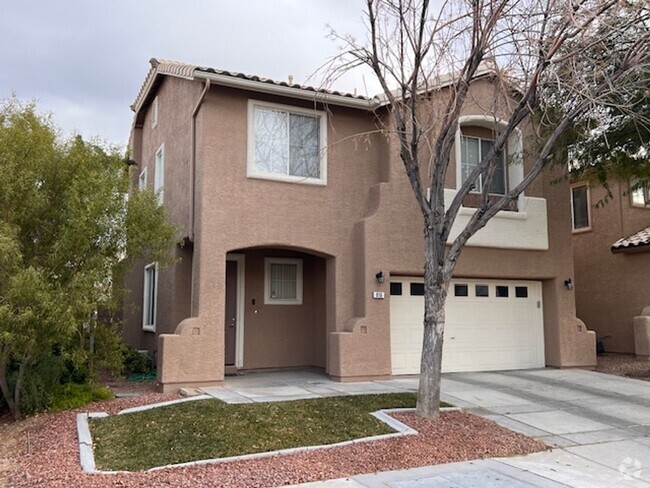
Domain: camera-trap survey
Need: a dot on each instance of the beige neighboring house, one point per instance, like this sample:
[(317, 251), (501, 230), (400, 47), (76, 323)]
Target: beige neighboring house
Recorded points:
[(303, 242), (611, 244)]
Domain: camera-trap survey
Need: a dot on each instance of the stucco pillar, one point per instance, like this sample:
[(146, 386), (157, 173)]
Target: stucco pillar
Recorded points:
[(642, 334), (194, 354), (568, 341), (361, 349)]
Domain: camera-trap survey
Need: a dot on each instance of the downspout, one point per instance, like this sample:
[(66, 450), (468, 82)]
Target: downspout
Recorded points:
[(620, 207), (199, 102)]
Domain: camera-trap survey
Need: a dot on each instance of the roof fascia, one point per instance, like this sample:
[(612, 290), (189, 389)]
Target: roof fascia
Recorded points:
[(269, 88)]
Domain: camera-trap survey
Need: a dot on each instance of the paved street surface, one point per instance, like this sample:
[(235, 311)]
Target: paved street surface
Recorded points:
[(599, 424)]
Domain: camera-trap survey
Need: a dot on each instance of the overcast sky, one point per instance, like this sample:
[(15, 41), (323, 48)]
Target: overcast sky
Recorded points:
[(84, 60)]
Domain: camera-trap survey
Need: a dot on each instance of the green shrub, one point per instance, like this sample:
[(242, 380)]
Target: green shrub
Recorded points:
[(133, 362), (39, 383), (55, 384), (73, 395), (108, 350)]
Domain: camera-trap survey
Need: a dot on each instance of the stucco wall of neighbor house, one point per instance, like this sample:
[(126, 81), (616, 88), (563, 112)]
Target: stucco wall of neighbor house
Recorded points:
[(176, 99), (611, 288), (364, 220)]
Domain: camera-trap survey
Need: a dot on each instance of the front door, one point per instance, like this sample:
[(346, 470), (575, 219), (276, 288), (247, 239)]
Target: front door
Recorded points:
[(231, 312)]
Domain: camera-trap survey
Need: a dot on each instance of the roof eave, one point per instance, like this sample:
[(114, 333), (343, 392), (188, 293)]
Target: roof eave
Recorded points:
[(287, 91), (631, 249)]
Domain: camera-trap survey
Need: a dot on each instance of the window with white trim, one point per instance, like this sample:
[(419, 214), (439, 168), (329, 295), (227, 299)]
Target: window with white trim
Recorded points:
[(580, 211), (286, 143), (154, 113), (159, 174), (142, 180), (283, 281), (472, 152), (640, 194), (149, 297)]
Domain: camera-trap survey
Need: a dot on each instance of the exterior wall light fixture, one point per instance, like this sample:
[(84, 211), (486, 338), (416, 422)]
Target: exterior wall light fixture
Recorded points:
[(569, 284), (380, 277)]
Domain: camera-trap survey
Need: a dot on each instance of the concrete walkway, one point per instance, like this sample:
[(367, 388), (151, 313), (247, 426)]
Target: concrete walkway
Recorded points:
[(600, 425), (298, 385)]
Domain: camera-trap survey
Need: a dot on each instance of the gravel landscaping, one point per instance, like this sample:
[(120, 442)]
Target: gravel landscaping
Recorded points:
[(44, 452), (624, 365)]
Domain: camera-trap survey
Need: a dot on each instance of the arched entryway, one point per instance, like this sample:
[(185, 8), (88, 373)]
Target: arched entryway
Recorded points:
[(275, 309)]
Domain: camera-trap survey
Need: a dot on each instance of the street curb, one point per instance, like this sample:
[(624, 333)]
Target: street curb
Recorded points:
[(163, 404)]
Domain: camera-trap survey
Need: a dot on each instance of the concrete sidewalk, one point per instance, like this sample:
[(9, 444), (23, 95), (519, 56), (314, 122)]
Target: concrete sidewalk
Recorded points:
[(599, 424)]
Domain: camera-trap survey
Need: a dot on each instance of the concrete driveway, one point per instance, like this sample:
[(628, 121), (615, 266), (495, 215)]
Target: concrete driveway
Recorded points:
[(599, 425)]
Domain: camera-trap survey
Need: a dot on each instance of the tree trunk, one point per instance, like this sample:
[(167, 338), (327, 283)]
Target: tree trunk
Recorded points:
[(4, 386), (19, 383), (435, 295)]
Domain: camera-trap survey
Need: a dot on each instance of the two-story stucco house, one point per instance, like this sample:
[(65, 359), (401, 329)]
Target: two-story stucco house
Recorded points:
[(303, 243), (612, 259)]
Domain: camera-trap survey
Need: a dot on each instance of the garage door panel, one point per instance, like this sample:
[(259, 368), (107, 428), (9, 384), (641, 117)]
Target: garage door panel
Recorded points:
[(482, 332)]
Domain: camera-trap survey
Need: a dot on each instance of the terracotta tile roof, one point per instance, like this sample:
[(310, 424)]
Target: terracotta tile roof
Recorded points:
[(188, 71), (635, 241)]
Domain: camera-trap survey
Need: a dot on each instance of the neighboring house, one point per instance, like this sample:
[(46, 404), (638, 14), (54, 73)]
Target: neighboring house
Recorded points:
[(303, 243), (611, 248)]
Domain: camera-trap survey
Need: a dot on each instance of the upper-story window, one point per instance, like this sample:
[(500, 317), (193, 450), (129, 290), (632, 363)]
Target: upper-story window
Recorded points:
[(286, 143), (159, 174), (580, 211), (472, 152), (640, 194), (154, 113), (142, 180)]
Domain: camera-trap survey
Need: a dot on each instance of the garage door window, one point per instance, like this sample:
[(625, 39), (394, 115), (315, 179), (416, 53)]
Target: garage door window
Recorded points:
[(521, 291), (461, 290), (502, 291), (482, 291), (395, 288), (417, 289)]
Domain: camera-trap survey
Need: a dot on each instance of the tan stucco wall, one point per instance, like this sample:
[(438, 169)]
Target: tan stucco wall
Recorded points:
[(611, 288), (363, 221), (176, 99)]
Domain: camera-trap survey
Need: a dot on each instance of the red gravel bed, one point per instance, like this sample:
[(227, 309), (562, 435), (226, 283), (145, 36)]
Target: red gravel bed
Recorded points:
[(51, 457), (624, 365)]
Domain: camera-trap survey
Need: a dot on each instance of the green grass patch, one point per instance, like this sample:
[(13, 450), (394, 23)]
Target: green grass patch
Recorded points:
[(207, 429), (73, 395)]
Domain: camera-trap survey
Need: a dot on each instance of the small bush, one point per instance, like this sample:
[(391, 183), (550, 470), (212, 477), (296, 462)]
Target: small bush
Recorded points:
[(73, 395), (39, 383), (108, 348), (134, 362)]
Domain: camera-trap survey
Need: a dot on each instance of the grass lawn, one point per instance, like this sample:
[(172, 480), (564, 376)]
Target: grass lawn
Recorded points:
[(207, 429)]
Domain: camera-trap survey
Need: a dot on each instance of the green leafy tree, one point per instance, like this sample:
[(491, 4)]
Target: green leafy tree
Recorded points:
[(68, 232)]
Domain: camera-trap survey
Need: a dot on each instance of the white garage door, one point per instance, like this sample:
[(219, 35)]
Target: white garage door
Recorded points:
[(490, 325)]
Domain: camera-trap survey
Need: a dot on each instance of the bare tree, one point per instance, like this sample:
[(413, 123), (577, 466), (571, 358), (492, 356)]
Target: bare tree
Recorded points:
[(538, 56)]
